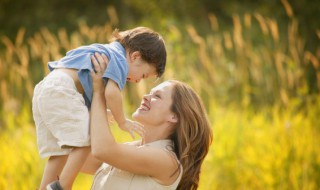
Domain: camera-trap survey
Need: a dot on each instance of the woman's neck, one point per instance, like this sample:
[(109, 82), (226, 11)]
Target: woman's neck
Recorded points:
[(155, 133)]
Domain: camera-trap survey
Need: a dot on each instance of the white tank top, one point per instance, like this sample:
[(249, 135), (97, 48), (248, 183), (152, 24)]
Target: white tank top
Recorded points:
[(111, 178)]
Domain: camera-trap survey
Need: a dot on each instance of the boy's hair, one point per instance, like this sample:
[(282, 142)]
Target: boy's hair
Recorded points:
[(149, 43)]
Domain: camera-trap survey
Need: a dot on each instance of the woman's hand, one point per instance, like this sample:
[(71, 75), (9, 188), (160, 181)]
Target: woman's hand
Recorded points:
[(100, 63)]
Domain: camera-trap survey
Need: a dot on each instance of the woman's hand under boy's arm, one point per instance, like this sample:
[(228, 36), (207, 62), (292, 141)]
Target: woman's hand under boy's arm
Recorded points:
[(102, 59)]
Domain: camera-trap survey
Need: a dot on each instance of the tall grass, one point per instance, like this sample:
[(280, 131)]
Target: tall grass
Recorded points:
[(255, 63), (259, 82)]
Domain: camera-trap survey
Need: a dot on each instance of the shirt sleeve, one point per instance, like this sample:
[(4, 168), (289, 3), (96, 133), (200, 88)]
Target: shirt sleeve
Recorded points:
[(117, 71)]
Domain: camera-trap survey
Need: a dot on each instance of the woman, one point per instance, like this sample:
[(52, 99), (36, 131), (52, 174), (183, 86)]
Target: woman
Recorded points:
[(175, 140)]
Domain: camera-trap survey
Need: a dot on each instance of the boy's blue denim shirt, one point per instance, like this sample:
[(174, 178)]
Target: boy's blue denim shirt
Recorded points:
[(80, 59)]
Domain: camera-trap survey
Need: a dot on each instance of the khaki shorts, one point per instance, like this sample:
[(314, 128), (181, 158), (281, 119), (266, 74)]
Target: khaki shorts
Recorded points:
[(60, 115)]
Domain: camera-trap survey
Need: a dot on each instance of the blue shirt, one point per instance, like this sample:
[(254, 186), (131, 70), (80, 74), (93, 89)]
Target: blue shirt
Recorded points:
[(79, 59)]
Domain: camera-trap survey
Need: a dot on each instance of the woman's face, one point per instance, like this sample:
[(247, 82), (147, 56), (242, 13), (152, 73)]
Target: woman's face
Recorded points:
[(155, 107)]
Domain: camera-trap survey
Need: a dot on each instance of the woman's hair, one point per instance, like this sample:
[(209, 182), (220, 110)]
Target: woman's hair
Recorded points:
[(192, 134), (150, 44)]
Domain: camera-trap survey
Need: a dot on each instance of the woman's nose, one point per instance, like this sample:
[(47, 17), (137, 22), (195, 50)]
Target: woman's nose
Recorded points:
[(146, 97)]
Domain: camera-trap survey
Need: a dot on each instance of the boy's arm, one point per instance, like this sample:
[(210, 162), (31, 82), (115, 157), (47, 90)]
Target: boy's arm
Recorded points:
[(114, 97)]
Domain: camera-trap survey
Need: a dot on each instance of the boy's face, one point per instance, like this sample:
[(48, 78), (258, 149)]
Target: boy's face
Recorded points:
[(139, 69)]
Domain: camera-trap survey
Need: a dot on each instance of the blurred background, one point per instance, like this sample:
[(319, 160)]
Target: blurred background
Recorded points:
[(254, 63)]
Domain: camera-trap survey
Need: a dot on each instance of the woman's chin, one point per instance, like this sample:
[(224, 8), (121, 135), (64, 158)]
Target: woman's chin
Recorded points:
[(139, 111), (136, 114), (139, 116)]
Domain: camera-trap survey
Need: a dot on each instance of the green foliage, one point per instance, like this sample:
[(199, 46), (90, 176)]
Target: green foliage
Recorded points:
[(66, 14)]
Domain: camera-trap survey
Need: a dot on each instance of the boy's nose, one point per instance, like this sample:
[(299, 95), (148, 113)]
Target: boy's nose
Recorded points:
[(137, 81)]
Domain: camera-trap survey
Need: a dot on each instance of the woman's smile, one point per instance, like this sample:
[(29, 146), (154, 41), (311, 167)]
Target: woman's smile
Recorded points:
[(144, 107)]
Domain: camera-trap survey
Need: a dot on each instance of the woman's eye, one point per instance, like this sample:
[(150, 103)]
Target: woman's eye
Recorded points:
[(158, 96)]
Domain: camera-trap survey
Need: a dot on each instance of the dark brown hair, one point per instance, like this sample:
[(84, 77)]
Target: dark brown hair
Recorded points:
[(149, 43), (192, 135)]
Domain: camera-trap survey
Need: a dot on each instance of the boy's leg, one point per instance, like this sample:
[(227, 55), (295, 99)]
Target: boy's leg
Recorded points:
[(52, 170), (75, 161)]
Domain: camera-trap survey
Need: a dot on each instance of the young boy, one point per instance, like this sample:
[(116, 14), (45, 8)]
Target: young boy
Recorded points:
[(62, 100)]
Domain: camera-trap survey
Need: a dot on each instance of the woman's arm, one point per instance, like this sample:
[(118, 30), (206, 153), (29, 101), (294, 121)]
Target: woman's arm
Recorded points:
[(148, 161), (91, 165)]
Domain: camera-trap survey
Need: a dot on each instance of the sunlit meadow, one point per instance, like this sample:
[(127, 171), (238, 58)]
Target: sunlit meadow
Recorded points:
[(258, 81)]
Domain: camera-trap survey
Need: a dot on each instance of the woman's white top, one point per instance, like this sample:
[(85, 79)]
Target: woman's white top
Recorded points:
[(111, 178)]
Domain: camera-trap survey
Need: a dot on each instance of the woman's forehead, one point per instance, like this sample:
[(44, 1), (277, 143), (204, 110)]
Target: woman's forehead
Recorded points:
[(162, 87)]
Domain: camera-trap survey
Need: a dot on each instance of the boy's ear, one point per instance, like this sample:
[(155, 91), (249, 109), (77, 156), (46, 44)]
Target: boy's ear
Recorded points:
[(134, 55)]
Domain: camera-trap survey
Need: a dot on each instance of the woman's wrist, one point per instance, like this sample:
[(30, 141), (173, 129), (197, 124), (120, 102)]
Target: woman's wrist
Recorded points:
[(99, 92), (97, 86)]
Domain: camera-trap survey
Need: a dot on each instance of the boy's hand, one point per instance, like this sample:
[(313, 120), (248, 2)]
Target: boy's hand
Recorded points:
[(131, 127)]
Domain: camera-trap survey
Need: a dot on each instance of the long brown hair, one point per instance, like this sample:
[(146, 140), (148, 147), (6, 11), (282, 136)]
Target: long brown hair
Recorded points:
[(192, 136), (149, 43)]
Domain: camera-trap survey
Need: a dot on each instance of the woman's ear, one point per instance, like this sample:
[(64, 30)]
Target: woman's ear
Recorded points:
[(173, 118)]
